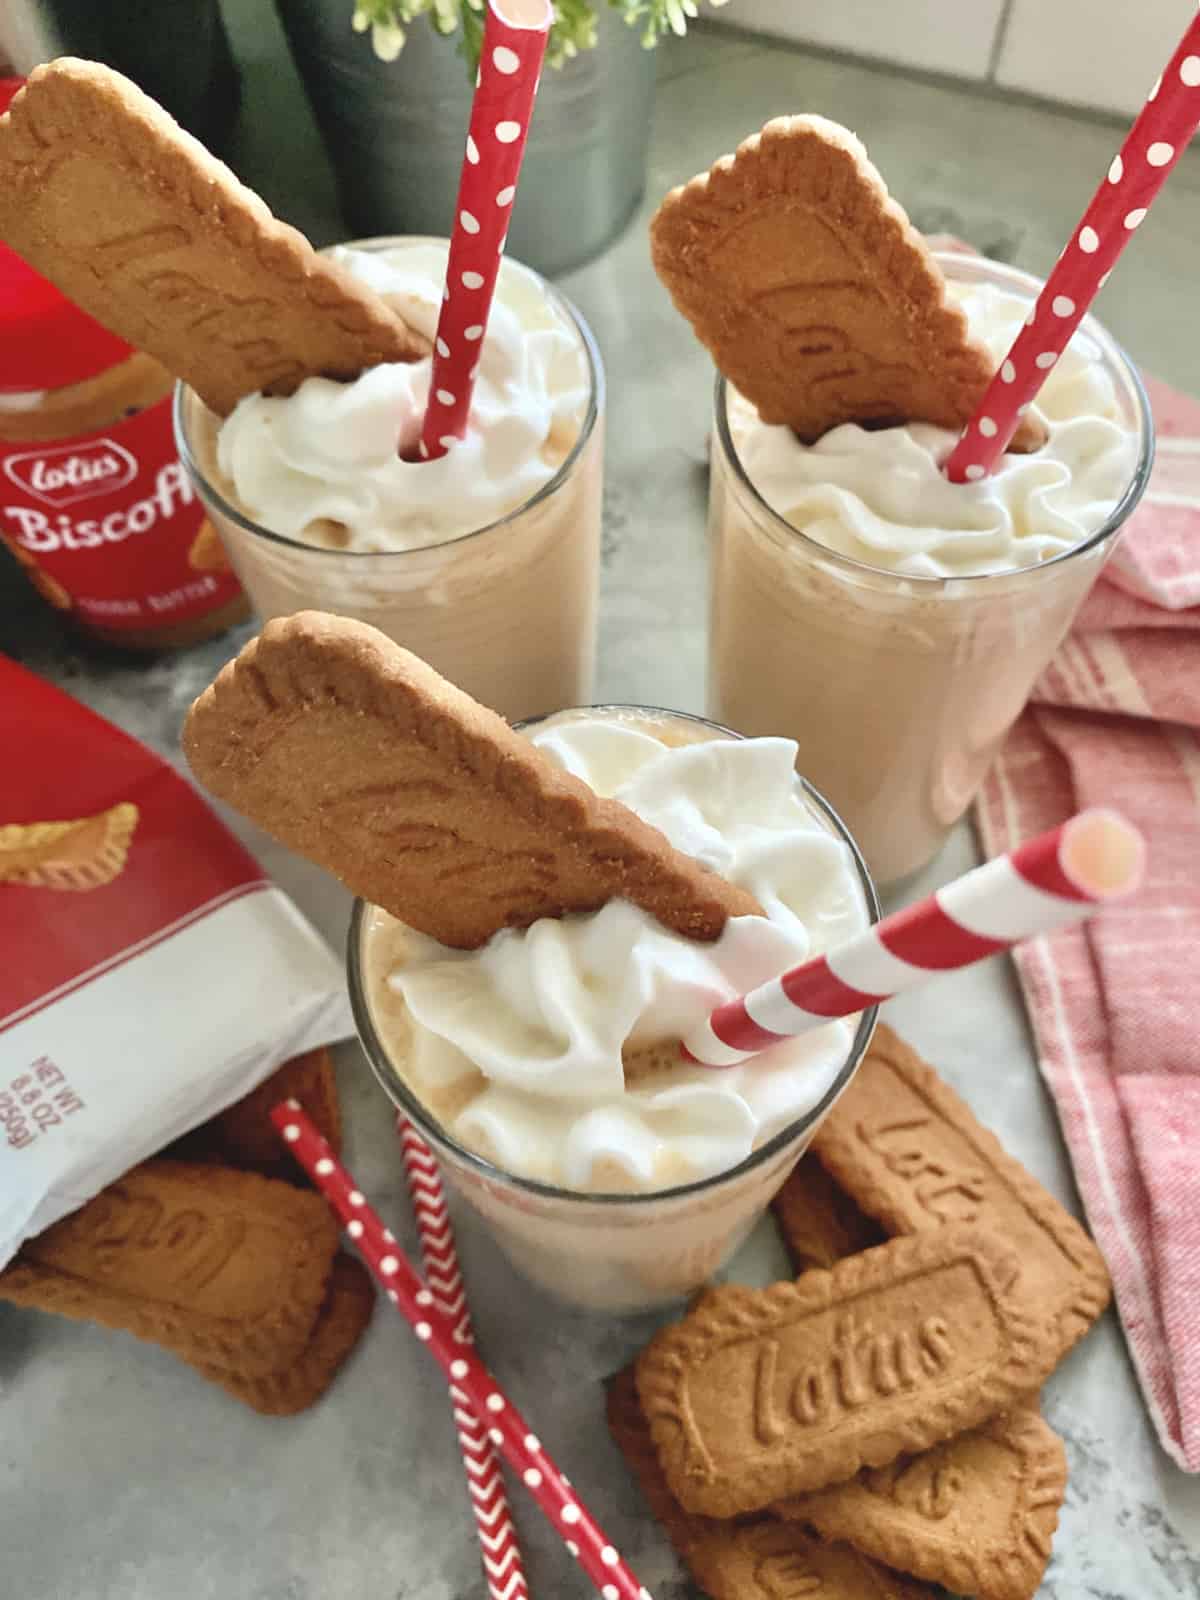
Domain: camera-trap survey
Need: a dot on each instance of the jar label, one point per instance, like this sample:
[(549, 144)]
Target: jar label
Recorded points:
[(108, 526)]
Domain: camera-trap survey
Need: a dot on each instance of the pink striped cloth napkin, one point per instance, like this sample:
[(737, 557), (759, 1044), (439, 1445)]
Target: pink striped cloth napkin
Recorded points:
[(1115, 1004)]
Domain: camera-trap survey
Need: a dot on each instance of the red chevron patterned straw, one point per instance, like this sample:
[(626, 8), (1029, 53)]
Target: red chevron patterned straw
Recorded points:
[(510, 64), (1156, 141), (498, 1545), (521, 1448), (1051, 881)]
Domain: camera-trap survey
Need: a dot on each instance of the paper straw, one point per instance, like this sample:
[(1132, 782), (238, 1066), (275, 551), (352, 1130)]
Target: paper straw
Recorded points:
[(1156, 141), (1051, 881), (508, 1430), (514, 43), (502, 1565)]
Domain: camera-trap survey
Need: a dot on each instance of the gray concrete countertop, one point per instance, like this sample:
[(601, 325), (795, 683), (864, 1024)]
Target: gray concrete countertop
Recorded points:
[(122, 1475)]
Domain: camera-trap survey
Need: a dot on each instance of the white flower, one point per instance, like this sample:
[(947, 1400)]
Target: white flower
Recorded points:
[(387, 40)]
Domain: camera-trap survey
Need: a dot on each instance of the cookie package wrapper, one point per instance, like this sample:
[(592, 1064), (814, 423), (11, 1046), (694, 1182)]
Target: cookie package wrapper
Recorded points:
[(150, 972)]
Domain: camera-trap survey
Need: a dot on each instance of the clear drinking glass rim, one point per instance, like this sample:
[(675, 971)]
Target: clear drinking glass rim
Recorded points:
[(1121, 512), (406, 1101), (596, 394)]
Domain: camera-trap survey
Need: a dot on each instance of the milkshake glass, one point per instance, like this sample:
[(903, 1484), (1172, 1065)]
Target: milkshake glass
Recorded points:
[(898, 687), (505, 608), (616, 1249)]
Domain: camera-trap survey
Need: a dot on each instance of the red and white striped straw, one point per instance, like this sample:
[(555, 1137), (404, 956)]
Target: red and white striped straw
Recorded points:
[(510, 64), (501, 1553), (1051, 881), (1156, 141), (507, 1428)]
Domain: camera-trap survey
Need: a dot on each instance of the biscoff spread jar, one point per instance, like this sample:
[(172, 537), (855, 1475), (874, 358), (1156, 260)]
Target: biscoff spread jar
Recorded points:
[(94, 502)]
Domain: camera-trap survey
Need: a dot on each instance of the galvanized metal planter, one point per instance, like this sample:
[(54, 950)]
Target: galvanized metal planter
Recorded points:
[(178, 52), (395, 133)]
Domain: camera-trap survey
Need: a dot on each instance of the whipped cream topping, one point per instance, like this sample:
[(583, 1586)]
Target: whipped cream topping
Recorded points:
[(324, 465), (523, 1048), (879, 496)]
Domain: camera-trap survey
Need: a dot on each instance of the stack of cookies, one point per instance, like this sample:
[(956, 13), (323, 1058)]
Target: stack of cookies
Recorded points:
[(872, 1428), (215, 1254)]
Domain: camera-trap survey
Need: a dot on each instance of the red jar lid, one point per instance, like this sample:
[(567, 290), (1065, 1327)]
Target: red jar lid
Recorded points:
[(46, 342)]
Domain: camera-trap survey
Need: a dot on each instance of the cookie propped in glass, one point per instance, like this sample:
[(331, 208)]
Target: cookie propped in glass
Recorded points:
[(815, 295)]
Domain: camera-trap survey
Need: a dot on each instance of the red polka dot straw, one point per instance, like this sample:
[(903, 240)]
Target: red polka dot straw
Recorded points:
[(517, 1443), (510, 62), (498, 1545), (1156, 141), (1056, 879)]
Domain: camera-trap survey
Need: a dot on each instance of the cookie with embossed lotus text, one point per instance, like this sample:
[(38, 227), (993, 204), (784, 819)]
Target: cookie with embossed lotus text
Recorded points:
[(299, 1383), (759, 1560), (227, 1269), (976, 1513), (347, 748), (815, 295), (910, 1152), (759, 1394), (135, 221)]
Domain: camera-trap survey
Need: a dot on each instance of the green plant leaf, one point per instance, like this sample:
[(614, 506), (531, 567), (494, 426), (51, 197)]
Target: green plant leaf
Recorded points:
[(573, 30)]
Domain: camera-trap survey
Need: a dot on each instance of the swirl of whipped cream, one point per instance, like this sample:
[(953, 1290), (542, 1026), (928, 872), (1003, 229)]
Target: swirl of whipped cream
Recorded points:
[(539, 1050), (879, 496), (324, 465)]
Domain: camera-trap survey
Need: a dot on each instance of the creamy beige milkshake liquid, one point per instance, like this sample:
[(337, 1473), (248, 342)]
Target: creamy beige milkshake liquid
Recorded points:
[(898, 695), (894, 624)]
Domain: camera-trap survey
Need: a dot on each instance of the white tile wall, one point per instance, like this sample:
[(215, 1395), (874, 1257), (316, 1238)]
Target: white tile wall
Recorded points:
[(953, 36), (1102, 53), (1099, 53)]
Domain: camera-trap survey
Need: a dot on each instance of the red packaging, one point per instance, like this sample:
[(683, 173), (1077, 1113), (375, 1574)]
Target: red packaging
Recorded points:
[(94, 502), (150, 973), (111, 523)]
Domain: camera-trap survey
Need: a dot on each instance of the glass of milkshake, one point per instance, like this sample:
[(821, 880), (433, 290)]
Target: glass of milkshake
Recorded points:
[(894, 623), (484, 561), (544, 1068)]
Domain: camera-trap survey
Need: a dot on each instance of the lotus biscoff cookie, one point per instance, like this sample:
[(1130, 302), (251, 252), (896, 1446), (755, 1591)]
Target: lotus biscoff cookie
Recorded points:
[(760, 1394), (976, 1513), (303, 1380), (759, 1560), (819, 1222), (227, 1269), (245, 1136), (909, 1151), (355, 753), (138, 224), (814, 294)]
